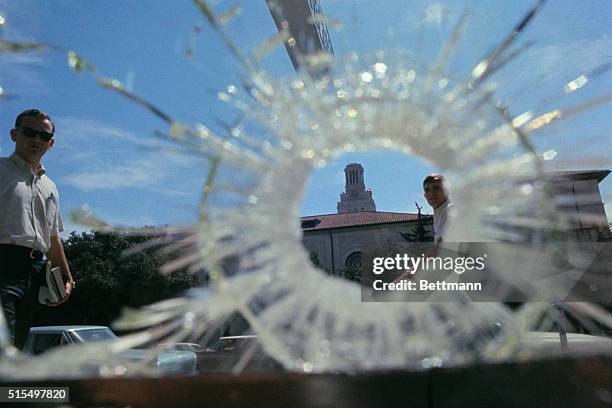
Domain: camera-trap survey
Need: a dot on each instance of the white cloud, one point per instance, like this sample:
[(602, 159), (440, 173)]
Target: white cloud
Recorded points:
[(18, 69), (564, 62), (140, 173), (19, 75), (69, 227), (435, 14), (93, 138), (23, 58), (109, 157), (114, 219), (89, 130)]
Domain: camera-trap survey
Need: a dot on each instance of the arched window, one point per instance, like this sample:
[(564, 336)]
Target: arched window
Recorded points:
[(353, 261)]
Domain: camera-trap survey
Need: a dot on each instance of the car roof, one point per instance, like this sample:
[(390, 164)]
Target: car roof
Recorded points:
[(243, 337), (180, 344), (61, 329)]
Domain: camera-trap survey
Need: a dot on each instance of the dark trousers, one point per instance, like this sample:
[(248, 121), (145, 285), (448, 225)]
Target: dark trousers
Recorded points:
[(20, 276)]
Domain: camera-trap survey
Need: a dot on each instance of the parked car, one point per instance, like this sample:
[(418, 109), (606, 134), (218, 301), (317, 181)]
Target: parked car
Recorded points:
[(234, 343), (552, 343), (200, 351), (228, 352), (41, 339)]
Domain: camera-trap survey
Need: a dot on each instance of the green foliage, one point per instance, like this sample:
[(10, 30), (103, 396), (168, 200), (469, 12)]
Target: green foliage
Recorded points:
[(350, 273), (107, 281), (314, 258), (421, 231)]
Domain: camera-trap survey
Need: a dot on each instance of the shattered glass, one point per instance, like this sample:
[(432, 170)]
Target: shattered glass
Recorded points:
[(392, 99)]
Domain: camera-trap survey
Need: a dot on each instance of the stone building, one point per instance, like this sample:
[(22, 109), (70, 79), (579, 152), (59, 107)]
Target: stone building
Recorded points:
[(339, 241), (577, 194)]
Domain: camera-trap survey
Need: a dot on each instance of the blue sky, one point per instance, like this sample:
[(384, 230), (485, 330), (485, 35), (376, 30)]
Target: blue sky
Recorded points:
[(108, 158)]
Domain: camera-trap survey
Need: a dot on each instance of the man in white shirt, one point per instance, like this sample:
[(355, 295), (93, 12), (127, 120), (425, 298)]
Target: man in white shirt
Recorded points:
[(30, 223), (437, 197)]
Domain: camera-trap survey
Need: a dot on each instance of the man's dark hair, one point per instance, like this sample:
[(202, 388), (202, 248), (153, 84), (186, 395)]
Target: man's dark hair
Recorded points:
[(433, 178), (35, 113)]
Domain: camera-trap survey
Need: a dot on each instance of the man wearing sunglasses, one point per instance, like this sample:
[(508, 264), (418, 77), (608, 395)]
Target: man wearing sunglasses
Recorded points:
[(30, 223), (437, 197)]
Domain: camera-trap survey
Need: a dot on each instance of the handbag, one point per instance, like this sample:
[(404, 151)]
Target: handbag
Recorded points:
[(52, 288)]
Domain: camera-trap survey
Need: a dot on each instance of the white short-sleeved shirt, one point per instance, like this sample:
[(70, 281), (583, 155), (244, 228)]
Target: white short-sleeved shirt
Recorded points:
[(439, 218), (29, 205)]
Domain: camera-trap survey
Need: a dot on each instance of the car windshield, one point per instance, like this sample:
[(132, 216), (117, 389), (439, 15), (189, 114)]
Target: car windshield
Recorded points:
[(236, 342), (89, 336)]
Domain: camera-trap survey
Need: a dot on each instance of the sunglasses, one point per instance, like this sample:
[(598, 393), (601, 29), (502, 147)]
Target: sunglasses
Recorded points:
[(33, 133)]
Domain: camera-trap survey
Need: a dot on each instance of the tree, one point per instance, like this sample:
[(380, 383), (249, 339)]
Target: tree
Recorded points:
[(314, 258), (421, 232), (107, 281)]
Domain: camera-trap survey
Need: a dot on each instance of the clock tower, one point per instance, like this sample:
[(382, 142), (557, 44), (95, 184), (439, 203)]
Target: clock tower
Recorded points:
[(355, 197)]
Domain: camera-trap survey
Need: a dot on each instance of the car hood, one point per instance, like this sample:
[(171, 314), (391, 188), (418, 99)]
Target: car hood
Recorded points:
[(164, 356), (169, 361)]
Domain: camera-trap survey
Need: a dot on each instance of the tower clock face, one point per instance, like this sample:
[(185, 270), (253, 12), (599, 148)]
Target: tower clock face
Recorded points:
[(354, 194)]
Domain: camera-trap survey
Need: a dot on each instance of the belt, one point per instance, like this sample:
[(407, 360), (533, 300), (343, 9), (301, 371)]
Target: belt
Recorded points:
[(24, 251)]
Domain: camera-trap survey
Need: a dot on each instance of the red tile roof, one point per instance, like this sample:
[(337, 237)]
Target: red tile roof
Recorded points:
[(354, 219)]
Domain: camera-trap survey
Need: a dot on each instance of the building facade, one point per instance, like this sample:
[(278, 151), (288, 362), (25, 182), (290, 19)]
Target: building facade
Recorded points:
[(578, 196), (339, 241)]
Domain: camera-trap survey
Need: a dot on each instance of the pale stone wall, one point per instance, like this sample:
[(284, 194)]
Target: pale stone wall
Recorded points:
[(340, 243), (581, 201)]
